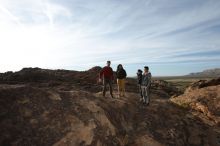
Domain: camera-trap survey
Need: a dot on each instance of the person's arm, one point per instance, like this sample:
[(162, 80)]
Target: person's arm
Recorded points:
[(149, 81), (116, 73), (141, 78), (112, 74), (125, 74)]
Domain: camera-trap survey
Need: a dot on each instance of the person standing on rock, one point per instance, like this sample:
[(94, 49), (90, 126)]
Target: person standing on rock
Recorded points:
[(139, 82), (106, 75), (121, 76), (145, 85)]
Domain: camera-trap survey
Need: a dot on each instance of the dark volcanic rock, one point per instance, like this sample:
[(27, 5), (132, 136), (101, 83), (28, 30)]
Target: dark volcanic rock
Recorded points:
[(203, 84)]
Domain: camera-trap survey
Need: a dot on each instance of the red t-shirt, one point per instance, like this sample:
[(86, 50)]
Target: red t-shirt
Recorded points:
[(106, 72)]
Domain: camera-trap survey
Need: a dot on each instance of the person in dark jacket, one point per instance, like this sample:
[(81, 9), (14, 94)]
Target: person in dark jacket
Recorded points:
[(106, 75), (145, 85), (121, 76), (139, 82)]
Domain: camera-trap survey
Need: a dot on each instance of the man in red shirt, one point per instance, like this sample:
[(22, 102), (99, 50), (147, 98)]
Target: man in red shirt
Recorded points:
[(107, 75)]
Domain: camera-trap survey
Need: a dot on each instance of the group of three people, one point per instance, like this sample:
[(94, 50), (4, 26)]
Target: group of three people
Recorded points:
[(144, 81)]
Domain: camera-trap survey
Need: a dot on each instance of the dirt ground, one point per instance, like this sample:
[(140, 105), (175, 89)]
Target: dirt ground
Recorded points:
[(65, 108), (67, 116)]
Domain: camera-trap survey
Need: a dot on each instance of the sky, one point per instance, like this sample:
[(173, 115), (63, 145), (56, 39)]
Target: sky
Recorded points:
[(172, 37)]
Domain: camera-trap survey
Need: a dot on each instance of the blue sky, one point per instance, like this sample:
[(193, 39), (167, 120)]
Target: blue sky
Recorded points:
[(172, 37)]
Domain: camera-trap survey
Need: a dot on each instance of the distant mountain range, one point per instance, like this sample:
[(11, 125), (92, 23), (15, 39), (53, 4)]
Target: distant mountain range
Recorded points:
[(206, 73)]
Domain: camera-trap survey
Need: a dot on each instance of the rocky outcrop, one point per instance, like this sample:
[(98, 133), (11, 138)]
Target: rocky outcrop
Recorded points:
[(65, 115), (53, 111), (202, 98), (160, 87), (86, 80), (165, 87), (37, 75), (203, 84), (205, 100), (45, 116), (46, 75)]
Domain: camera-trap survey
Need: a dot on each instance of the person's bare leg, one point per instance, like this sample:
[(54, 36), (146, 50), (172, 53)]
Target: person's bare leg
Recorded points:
[(119, 88), (123, 88), (119, 94), (123, 94)]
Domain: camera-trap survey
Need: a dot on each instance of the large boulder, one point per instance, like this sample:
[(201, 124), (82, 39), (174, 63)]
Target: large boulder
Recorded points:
[(202, 84), (202, 97)]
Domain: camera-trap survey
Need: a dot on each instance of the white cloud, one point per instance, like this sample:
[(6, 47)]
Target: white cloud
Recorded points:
[(65, 34)]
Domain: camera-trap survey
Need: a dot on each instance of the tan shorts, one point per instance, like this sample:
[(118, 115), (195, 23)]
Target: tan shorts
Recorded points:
[(121, 83)]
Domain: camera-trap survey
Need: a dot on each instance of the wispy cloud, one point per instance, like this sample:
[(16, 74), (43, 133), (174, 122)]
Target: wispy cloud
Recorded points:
[(80, 34)]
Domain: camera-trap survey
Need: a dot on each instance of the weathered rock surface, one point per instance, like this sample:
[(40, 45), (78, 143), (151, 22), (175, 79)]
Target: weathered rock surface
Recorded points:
[(55, 111), (202, 84)]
